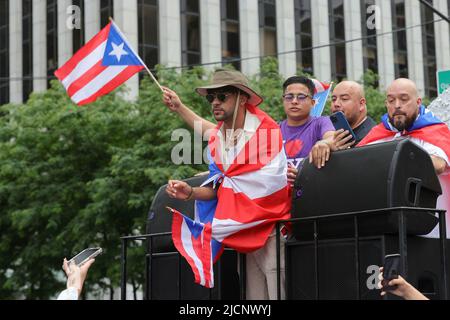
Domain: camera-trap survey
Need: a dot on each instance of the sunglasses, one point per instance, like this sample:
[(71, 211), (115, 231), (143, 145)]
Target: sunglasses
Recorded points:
[(300, 97), (221, 96)]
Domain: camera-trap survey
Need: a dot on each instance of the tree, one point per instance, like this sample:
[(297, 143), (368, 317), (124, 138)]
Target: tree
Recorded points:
[(73, 177)]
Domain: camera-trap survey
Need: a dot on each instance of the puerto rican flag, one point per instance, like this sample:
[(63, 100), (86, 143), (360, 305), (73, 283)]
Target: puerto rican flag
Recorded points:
[(252, 195), (321, 92), (99, 67)]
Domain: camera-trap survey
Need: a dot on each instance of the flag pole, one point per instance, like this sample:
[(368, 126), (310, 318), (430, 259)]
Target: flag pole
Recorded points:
[(145, 66)]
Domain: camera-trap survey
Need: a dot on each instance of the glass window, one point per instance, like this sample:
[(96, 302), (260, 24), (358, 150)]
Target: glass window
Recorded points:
[(190, 32), (231, 48), (27, 57), (78, 34), (400, 44), (148, 32), (429, 51), (337, 34), (52, 39), (106, 11), (303, 35), (370, 58), (268, 27), (4, 52)]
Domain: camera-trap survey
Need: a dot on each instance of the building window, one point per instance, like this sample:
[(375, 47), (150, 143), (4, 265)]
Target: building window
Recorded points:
[(106, 11), (268, 27), (190, 32), (400, 44), (231, 48), (4, 52), (429, 51), (370, 43), (27, 42), (78, 34), (337, 34), (303, 35), (148, 32), (52, 39)]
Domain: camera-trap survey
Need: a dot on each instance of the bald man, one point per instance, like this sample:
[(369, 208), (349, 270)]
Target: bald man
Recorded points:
[(348, 97), (406, 116)]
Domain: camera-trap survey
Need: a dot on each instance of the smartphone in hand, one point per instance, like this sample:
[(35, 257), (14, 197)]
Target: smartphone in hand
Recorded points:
[(391, 270), (85, 255), (340, 122)]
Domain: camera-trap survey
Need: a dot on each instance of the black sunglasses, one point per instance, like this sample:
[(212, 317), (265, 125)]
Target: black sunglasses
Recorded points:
[(221, 96)]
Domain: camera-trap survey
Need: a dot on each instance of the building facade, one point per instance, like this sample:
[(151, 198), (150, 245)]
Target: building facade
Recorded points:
[(331, 39)]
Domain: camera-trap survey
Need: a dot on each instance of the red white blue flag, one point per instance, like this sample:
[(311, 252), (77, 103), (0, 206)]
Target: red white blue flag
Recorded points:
[(252, 195), (100, 66), (321, 92)]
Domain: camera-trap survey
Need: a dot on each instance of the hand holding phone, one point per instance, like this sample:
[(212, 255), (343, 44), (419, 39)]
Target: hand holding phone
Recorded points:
[(391, 270), (85, 255), (340, 122)]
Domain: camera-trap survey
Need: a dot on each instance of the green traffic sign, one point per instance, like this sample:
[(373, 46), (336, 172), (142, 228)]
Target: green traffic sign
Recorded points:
[(443, 80)]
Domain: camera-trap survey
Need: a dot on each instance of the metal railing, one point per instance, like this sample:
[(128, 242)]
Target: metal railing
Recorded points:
[(402, 213)]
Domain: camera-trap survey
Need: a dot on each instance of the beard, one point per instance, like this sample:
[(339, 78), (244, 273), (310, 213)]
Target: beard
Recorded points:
[(403, 122)]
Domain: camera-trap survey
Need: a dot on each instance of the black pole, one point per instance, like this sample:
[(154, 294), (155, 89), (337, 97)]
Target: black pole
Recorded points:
[(429, 6), (278, 261), (443, 239), (123, 295)]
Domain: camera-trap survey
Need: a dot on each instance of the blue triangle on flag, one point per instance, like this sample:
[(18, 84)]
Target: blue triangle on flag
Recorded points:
[(118, 52), (321, 100), (195, 228)]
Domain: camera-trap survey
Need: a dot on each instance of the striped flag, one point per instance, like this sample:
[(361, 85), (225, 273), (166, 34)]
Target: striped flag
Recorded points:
[(251, 198), (321, 92), (100, 66)]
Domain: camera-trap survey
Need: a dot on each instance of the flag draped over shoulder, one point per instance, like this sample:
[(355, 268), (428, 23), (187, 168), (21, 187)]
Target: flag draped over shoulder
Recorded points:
[(100, 66), (321, 92), (427, 128), (252, 195)]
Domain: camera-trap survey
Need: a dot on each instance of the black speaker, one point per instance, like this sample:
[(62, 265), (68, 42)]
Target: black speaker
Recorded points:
[(160, 220), (337, 268), (385, 175), (173, 279)]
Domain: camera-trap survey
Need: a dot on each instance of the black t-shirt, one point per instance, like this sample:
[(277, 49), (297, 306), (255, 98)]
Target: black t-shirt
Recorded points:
[(363, 129)]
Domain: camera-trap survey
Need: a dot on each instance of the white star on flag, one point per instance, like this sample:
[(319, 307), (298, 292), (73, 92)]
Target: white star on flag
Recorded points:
[(118, 51)]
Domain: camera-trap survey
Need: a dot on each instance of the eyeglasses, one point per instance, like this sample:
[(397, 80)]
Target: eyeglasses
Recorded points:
[(221, 96), (291, 96)]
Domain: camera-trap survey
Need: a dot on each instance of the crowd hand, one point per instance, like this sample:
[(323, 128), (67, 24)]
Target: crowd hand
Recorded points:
[(401, 288), (342, 140), (320, 154), (171, 99), (291, 174), (178, 189), (76, 274)]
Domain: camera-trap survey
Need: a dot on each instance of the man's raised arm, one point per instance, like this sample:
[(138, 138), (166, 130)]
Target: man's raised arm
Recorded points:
[(173, 102)]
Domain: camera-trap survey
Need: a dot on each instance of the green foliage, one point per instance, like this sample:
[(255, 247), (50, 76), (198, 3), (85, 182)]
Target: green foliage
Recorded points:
[(374, 97), (74, 177)]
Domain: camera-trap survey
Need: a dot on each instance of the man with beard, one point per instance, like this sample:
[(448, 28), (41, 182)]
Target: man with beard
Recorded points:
[(407, 117)]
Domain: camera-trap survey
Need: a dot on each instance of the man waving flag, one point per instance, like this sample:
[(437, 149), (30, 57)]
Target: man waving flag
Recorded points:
[(99, 67)]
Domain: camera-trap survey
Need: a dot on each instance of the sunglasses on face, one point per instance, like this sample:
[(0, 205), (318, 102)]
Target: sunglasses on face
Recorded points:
[(221, 96), (291, 96)]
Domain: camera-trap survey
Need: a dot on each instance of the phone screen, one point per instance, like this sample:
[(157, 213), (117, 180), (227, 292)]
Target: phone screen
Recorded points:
[(391, 269), (84, 255), (340, 122)]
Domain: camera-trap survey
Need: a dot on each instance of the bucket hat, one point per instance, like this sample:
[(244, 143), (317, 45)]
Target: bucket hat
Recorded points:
[(224, 78)]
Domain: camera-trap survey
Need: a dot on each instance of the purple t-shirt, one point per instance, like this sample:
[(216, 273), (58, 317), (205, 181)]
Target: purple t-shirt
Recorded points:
[(298, 141)]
